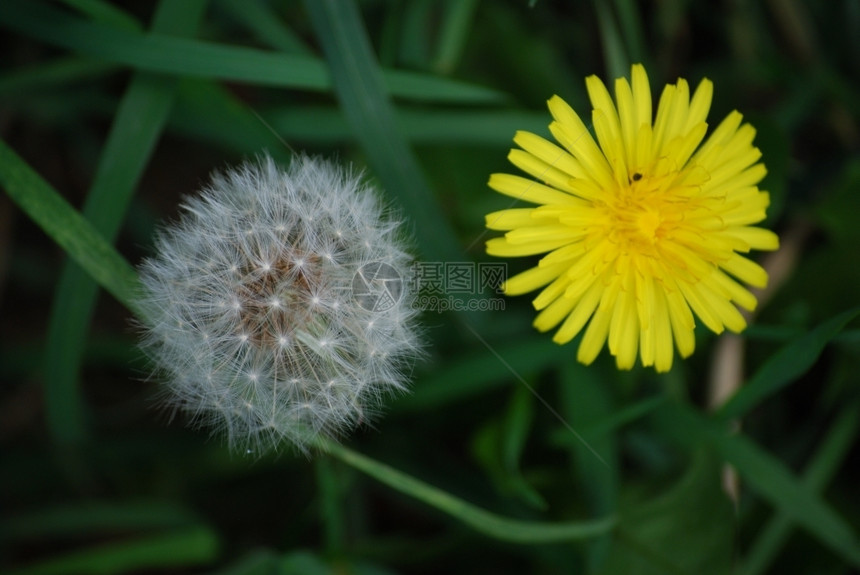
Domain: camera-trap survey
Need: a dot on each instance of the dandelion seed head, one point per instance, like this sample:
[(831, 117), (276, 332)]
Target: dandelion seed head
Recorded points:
[(248, 310)]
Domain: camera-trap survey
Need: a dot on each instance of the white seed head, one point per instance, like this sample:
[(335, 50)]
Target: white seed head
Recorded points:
[(273, 308)]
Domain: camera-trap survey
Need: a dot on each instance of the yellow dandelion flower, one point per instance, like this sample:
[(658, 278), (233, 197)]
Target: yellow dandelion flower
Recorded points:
[(643, 229)]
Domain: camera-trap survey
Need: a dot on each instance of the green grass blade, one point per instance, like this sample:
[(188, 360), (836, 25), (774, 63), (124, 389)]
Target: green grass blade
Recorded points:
[(21, 83), (444, 127), (195, 546), (136, 128), (831, 453), (238, 127), (473, 516), (180, 56), (358, 85), (104, 12), (462, 378), (456, 23), (687, 529), (411, 34), (93, 517), (585, 401), (261, 19), (630, 23), (515, 427), (331, 504), (67, 227), (767, 476), (785, 366), (260, 562), (622, 417), (614, 51)]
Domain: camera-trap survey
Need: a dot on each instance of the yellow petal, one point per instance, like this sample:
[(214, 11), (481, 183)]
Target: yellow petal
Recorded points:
[(607, 127), (624, 329), (553, 314), (700, 306), (532, 279), (661, 122), (700, 104), (627, 120), (529, 190), (718, 138), (738, 294), (551, 293), (537, 168), (682, 148), (681, 318), (746, 270), (728, 314), (678, 113), (580, 314), (544, 233), (644, 141), (510, 219), (731, 182), (502, 247), (549, 153), (755, 238), (641, 95), (565, 254), (662, 330), (595, 336)]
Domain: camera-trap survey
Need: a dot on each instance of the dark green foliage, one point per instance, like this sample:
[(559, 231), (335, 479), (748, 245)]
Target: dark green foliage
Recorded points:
[(507, 456)]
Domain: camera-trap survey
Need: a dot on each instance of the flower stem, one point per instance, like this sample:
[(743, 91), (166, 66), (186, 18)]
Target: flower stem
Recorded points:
[(479, 519)]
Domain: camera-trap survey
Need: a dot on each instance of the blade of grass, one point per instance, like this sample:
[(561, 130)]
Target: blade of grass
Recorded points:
[(474, 127), (104, 12), (831, 453), (622, 417), (616, 420), (584, 402), (473, 516), (331, 505), (413, 34), (766, 475), (462, 378), (614, 52), (260, 18), (315, 124), (358, 86), (515, 428), (687, 529), (785, 366), (18, 84), (136, 128), (180, 56), (67, 227), (259, 562), (630, 22), (93, 517), (195, 546), (237, 128), (456, 22)]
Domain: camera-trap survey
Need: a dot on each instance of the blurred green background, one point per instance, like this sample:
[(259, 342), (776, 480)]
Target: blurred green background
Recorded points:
[(124, 107)]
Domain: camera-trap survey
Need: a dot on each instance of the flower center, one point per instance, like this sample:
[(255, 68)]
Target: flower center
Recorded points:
[(274, 298), (637, 215), (648, 221)]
